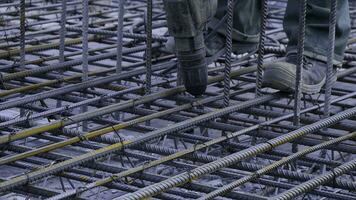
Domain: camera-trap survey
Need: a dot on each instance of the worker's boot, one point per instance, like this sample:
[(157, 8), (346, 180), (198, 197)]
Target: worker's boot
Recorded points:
[(282, 75), (194, 70), (186, 20)]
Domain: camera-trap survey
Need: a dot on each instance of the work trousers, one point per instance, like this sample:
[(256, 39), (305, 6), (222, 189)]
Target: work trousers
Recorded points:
[(188, 20)]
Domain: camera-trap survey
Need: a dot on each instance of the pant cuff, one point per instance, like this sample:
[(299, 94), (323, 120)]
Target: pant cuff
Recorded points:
[(318, 55), (236, 35)]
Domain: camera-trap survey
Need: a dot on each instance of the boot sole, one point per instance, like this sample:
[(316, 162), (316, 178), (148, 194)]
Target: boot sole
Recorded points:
[(283, 80)]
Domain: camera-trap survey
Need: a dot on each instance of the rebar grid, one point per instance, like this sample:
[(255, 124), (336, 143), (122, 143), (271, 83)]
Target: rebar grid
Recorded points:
[(46, 153)]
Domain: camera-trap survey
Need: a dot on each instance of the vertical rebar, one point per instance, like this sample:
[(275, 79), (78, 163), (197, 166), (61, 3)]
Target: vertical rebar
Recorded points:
[(228, 58), (22, 33), (299, 67), (179, 76), (22, 41), (330, 58), (148, 52), (330, 65), (62, 31), (120, 29), (261, 53), (62, 36), (261, 47), (85, 27), (149, 46)]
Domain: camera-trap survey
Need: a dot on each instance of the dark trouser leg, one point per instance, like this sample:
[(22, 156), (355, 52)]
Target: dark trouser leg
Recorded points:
[(247, 19), (246, 27), (186, 20), (317, 28)]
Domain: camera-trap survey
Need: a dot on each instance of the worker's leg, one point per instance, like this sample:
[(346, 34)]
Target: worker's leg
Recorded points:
[(246, 27), (317, 28), (246, 24), (186, 20), (281, 75)]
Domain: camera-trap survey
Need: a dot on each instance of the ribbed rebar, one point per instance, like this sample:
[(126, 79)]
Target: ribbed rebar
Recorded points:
[(68, 64), (235, 157), (62, 31), (330, 62), (62, 36), (148, 26), (137, 141), (144, 175), (330, 58), (318, 181), (138, 36), (22, 42), (120, 30), (114, 107), (228, 56), (85, 46), (299, 67), (76, 86), (22, 33), (261, 47), (300, 61), (267, 169), (85, 40), (100, 132)]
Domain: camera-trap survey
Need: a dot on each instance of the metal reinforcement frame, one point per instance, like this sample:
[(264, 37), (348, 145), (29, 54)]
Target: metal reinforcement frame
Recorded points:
[(92, 108)]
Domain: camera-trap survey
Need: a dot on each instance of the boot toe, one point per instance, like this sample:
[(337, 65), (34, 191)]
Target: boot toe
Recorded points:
[(280, 76)]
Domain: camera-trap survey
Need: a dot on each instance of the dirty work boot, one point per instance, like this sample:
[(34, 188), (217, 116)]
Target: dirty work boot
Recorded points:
[(186, 22), (194, 63), (194, 70), (282, 75)]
